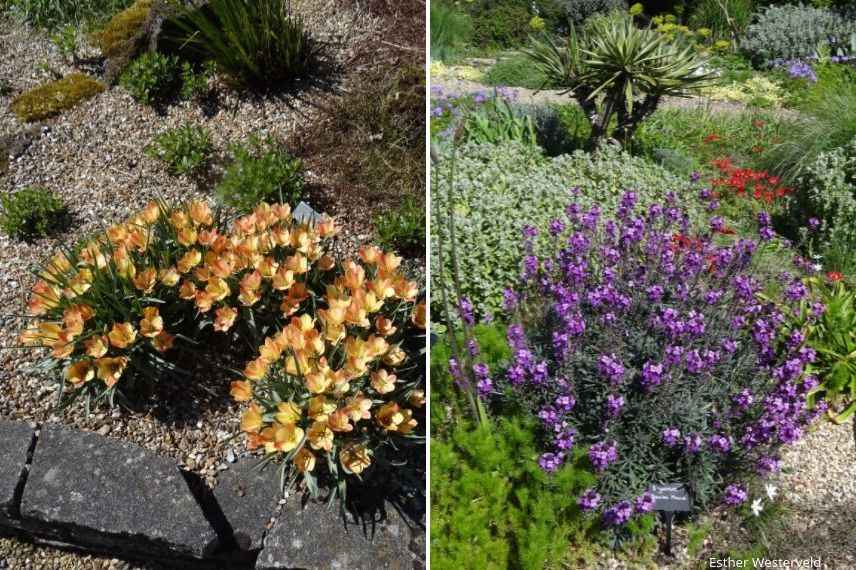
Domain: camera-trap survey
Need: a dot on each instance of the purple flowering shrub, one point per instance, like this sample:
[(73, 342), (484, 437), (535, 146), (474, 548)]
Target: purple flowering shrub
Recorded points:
[(654, 348)]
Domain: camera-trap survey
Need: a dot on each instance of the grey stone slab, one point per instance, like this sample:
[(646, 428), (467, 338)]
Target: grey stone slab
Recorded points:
[(15, 441), (89, 490), (318, 538), (247, 497)]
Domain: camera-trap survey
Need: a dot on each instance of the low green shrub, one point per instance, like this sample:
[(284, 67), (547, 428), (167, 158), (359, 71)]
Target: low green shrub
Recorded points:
[(185, 149), (497, 189), (559, 129), (501, 24), (194, 80), (516, 71), (260, 170), (829, 195), (55, 97), (403, 228), (256, 43), (153, 78), (32, 213), (495, 120)]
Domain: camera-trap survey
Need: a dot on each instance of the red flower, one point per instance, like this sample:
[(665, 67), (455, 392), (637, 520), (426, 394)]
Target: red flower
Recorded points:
[(712, 137), (758, 123), (834, 276)]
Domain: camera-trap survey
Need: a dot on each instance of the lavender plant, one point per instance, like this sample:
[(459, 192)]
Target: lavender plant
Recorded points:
[(656, 348)]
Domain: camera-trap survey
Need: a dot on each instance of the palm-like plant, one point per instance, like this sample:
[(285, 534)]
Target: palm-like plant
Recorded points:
[(618, 72)]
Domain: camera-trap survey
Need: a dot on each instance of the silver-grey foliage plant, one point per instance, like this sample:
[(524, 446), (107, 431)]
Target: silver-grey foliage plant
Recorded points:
[(795, 31)]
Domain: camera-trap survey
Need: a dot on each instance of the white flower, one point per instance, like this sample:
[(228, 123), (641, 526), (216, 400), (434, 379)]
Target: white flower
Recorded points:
[(771, 491), (757, 506)]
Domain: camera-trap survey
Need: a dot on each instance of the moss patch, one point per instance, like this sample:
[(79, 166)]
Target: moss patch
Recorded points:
[(55, 97), (120, 33)]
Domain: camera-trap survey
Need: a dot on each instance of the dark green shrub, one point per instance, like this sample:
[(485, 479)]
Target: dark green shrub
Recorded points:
[(261, 171), (55, 97), (185, 150), (152, 78), (403, 228), (33, 212), (559, 129), (256, 43), (194, 80), (503, 24)]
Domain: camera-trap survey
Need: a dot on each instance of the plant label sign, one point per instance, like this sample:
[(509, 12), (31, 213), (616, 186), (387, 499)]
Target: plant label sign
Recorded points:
[(670, 497)]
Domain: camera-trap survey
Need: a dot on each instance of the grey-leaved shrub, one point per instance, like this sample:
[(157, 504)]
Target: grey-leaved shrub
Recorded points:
[(794, 31), (498, 189)]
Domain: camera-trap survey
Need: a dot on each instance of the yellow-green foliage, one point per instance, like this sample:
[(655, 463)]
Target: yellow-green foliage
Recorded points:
[(757, 90), (55, 97), (113, 40)]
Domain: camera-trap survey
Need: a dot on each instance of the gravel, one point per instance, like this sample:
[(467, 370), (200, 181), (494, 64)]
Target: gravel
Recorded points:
[(92, 156)]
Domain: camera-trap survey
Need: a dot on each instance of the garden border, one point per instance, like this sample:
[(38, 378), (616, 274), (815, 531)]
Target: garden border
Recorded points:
[(83, 491)]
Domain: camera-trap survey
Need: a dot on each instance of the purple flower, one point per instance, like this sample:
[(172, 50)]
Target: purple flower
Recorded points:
[(652, 374), (614, 403), (692, 443), (565, 403), (717, 224), (735, 494), (465, 311), (719, 443), (767, 465), (550, 462), (611, 368), (589, 500), (618, 514), (601, 454), (644, 503), (813, 224), (671, 436)]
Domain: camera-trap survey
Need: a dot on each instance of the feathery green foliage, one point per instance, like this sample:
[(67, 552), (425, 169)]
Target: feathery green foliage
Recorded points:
[(493, 507), (256, 43)]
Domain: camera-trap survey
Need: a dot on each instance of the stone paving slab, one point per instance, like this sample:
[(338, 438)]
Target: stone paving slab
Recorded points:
[(248, 497), (85, 488), (318, 538), (16, 438)]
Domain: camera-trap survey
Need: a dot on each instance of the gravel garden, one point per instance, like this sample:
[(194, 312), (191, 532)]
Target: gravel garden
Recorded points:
[(213, 240), (642, 245)]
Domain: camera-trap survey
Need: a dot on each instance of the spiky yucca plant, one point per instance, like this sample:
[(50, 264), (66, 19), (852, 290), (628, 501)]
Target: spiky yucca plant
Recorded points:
[(618, 72)]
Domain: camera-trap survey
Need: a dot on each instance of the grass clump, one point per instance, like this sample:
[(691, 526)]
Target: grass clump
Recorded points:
[(403, 228), (153, 78), (256, 43), (55, 97), (261, 171), (185, 150), (118, 36), (32, 213)]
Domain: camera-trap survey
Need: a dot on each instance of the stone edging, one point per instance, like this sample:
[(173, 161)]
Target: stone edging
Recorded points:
[(84, 491)]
